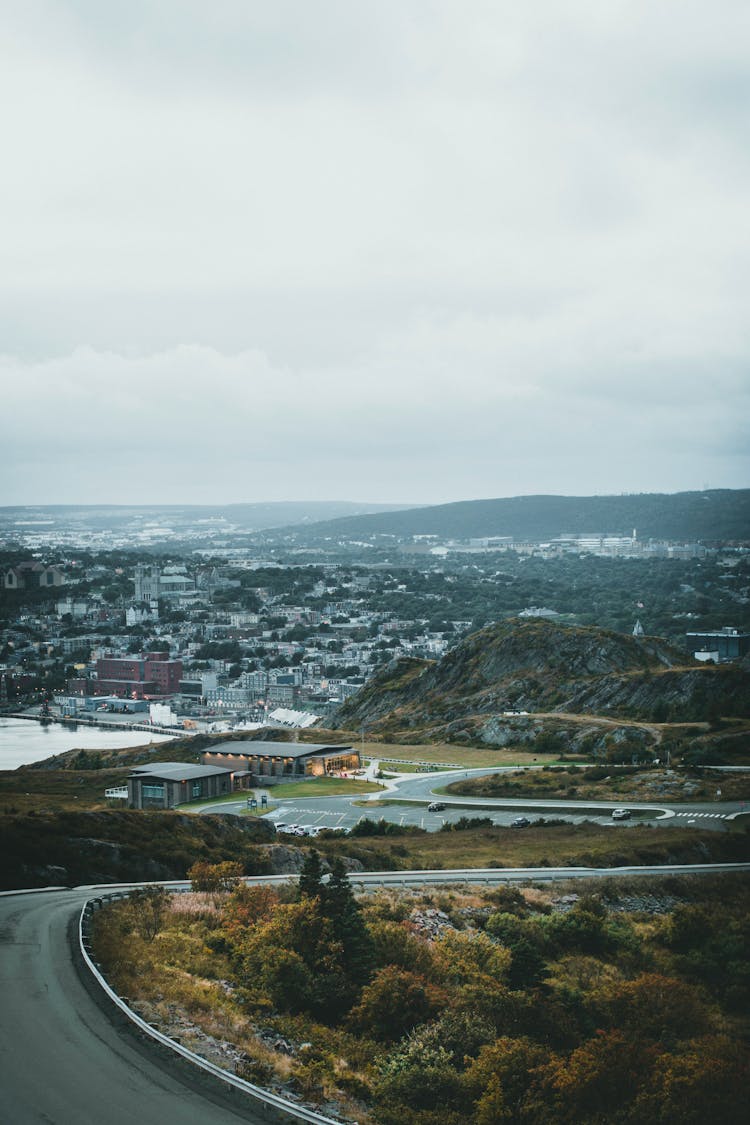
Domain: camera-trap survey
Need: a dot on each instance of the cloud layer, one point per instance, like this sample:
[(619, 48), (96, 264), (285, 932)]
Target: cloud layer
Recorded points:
[(380, 252)]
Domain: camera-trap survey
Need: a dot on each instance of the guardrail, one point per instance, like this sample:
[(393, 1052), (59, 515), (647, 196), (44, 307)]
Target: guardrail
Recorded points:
[(273, 1103), (267, 1102), (432, 767)]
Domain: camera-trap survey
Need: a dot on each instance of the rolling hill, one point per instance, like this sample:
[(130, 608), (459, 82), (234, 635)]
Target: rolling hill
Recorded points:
[(722, 514), (541, 666)]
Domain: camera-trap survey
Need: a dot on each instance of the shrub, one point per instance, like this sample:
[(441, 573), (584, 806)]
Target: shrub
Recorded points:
[(394, 1002)]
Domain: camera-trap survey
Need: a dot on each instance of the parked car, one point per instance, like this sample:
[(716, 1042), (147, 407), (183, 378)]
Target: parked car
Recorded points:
[(436, 806), (621, 814), (520, 822)]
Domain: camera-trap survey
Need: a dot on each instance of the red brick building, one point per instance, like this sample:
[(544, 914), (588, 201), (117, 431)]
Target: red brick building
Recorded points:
[(151, 675)]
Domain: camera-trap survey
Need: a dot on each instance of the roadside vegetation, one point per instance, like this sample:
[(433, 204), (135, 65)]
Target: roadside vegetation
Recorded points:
[(624, 1001), (68, 848), (550, 845), (608, 783)]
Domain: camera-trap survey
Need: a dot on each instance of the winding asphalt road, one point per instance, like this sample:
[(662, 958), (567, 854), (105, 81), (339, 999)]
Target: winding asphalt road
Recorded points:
[(65, 1061), (62, 1059), (409, 795)]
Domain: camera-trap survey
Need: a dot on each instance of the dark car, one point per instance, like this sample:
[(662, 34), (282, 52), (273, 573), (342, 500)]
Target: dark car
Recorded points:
[(436, 806), (520, 822)]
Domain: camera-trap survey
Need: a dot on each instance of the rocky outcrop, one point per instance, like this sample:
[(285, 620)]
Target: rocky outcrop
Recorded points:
[(285, 860), (542, 666)]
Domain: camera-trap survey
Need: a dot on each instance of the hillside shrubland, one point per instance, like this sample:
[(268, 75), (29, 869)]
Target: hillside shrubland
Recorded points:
[(625, 1002), (68, 848)]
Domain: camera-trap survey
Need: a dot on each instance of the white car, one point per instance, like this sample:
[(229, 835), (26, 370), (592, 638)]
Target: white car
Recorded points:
[(621, 814)]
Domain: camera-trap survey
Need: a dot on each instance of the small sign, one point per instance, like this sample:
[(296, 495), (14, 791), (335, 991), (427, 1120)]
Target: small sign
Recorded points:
[(252, 803), (263, 801)]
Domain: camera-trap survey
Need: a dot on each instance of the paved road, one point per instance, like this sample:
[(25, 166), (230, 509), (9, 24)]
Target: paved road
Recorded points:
[(62, 1061), (344, 812)]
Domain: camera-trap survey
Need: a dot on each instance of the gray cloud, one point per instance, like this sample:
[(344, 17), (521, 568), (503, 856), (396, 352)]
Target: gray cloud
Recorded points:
[(382, 251)]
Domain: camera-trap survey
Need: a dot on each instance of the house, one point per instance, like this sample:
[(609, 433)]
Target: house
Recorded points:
[(32, 576)]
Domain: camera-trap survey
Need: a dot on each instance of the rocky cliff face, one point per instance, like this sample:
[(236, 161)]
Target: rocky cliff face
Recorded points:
[(544, 666)]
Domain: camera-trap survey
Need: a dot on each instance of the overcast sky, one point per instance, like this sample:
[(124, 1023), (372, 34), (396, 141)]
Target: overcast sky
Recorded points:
[(386, 250)]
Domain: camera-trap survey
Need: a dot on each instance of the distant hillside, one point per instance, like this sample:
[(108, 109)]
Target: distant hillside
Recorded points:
[(543, 666), (683, 516), (246, 517)]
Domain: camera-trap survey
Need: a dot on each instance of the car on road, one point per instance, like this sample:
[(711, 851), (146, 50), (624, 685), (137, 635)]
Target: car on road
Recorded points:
[(436, 806), (621, 814), (520, 822)]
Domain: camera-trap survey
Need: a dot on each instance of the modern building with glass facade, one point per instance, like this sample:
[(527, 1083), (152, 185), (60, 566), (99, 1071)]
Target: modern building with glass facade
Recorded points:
[(256, 762)]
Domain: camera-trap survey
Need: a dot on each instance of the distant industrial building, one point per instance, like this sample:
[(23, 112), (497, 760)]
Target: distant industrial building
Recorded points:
[(133, 677), (268, 762), (71, 705), (596, 543), (165, 785), (720, 646), (197, 687)]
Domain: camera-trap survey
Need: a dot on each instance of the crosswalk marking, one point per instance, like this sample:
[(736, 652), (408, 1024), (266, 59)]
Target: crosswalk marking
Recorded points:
[(709, 815)]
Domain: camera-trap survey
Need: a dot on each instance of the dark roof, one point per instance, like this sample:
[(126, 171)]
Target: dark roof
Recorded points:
[(277, 749), (177, 771)]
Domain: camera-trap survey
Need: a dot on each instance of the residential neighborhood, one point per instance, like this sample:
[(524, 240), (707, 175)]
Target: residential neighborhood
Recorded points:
[(199, 633)]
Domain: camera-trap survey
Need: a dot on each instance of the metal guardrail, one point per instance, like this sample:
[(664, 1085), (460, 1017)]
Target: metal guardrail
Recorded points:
[(265, 1099), (437, 875), (273, 1102), (435, 767)]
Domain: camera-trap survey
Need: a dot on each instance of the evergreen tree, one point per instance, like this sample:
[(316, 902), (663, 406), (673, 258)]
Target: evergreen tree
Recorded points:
[(340, 906), (310, 876)]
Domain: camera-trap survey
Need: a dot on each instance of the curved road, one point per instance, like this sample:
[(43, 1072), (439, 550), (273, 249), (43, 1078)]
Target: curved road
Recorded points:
[(409, 794), (63, 1060)]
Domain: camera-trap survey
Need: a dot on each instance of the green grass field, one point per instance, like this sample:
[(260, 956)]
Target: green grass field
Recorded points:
[(585, 844), (321, 787), (447, 755), (392, 768)]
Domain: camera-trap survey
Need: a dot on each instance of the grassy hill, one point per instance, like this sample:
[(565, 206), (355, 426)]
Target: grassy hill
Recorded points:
[(720, 514), (541, 666)]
